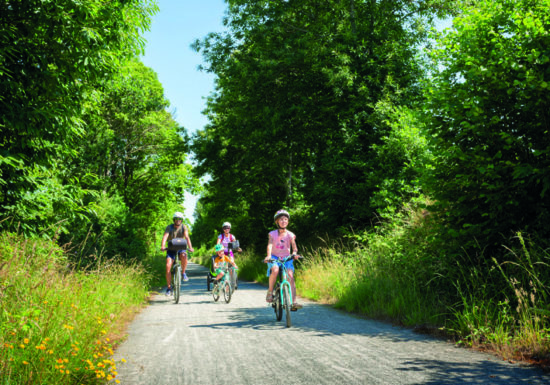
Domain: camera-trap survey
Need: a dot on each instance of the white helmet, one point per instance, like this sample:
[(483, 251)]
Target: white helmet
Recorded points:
[(177, 214), (226, 224)]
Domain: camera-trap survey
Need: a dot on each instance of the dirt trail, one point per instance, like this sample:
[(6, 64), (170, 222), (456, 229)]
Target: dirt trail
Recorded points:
[(200, 341)]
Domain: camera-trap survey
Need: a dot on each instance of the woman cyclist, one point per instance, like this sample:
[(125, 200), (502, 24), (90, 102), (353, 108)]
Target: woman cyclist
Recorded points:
[(279, 245), (175, 230), (223, 239)]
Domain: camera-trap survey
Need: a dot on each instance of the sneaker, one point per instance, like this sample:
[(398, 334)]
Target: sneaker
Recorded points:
[(185, 278), (168, 291), (295, 306)]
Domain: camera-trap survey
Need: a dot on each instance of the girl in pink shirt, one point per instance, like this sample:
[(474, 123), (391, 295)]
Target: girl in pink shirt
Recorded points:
[(280, 243)]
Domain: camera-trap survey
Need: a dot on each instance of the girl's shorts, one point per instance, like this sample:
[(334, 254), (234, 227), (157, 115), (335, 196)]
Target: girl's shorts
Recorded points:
[(289, 266)]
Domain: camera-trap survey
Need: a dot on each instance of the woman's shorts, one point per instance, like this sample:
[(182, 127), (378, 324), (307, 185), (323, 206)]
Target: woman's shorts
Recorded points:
[(289, 266), (172, 254)]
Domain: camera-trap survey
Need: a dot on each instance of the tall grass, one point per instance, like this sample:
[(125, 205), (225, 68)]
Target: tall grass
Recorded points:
[(506, 309), (59, 325)]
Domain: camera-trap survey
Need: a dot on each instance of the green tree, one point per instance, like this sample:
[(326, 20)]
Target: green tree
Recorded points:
[(293, 121), (489, 107), (53, 54), (137, 152)]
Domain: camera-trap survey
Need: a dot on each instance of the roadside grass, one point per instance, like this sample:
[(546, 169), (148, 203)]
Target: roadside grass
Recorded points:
[(508, 309), (59, 325)]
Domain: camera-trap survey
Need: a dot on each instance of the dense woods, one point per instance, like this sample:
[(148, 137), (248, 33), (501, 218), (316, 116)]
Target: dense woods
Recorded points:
[(359, 117), (88, 150), (344, 112)]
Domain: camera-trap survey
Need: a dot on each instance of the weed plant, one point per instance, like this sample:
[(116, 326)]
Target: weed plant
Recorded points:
[(505, 308), (58, 325)]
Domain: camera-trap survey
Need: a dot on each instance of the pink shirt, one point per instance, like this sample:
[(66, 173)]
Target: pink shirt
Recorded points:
[(225, 240), (281, 244)]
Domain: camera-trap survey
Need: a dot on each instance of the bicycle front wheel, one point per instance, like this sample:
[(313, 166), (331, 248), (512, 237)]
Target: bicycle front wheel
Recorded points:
[(227, 291), (176, 283), (216, 292), (286, 304), (277, 304)]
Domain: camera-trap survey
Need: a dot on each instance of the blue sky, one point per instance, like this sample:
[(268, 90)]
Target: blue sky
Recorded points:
[(178, 24)]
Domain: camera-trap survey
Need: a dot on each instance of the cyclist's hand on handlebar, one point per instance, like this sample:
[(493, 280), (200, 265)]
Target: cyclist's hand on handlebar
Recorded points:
[(267, 259), (297, 256), (163, 249)]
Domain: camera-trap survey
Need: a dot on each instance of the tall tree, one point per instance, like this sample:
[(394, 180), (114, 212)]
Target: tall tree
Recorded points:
[(137, 152), (53, 53), (293, 120), (489, 111)]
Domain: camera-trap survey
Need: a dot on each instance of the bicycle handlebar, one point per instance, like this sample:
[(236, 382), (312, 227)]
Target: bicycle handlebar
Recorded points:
[(275, 259)]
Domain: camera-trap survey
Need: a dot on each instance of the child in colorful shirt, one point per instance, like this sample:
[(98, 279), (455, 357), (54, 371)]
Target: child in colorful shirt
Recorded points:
[(279, 245)]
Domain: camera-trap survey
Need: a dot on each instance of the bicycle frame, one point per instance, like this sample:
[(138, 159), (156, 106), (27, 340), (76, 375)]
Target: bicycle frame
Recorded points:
[(221, 285), (282, 279), (176, 279), (283, 291)]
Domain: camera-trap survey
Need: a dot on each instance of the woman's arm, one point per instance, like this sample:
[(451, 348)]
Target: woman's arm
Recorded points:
[(186, 235), (163, 242)]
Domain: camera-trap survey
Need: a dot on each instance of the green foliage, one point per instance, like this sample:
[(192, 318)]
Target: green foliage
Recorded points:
[(294, 119), (53, 54), (57, 325), (489, 110)]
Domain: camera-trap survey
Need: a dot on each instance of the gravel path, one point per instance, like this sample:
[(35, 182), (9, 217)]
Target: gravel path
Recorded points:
[(199, 341)]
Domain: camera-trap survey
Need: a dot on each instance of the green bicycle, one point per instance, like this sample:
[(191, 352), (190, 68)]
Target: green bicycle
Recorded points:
[(282, 294), (223, 285)]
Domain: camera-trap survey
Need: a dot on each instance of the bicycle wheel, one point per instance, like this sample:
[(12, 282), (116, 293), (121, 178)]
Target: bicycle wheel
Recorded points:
[(277, 304), (216, 292), (286, 304), (233, 279), (176, 283), (227, 291)]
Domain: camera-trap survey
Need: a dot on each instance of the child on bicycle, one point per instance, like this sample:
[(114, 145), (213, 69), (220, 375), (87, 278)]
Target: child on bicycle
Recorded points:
[(219, 259), (175, 230), (279, 245)]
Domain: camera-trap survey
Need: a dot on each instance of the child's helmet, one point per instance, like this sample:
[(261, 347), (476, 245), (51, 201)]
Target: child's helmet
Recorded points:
[(226, 224), (219, 247), (281, 213)]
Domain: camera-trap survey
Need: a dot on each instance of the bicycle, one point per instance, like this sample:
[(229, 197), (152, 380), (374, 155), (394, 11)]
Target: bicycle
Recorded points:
[(176, 279), (282, 293), (211, 275), (224, 285)]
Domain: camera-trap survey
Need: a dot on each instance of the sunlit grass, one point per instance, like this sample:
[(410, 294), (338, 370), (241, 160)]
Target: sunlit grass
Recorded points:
[(59, 326)]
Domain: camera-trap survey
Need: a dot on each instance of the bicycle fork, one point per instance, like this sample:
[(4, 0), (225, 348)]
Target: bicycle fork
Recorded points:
[(287, 284)]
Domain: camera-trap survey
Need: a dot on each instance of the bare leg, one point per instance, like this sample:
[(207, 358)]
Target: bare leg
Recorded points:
[(169, 263)]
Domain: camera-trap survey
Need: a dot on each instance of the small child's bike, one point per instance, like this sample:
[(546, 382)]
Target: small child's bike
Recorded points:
[(282, 294), (223, 286)]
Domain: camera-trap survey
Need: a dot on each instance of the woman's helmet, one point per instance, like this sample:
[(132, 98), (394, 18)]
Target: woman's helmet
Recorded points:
[(218, 248), (177, 215), (226, 224), (281, 213)]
